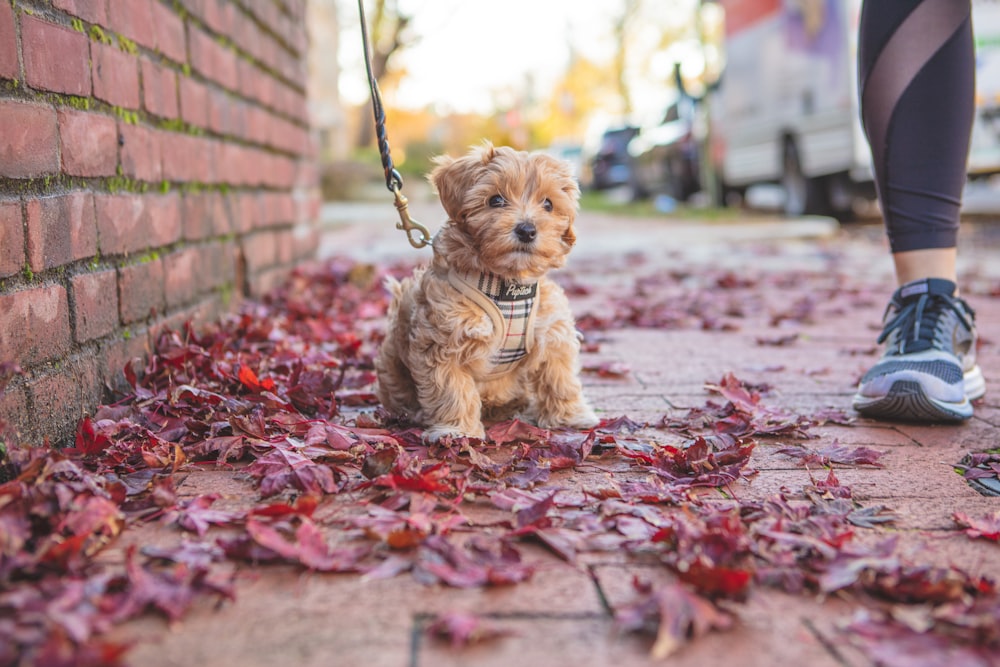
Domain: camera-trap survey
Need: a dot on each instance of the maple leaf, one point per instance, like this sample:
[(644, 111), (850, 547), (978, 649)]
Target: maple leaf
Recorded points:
[(197, 515), (401, 530), (608, 369), (619, 424), (514, 430), (460, 629), (410, 474), (987, 526), (302, 543), (673, 613), (893, 644), (480, 563), (169, 590), (285, 468), (834, 453), (252, 382), (195, 555), (736, 392), (88, 441)]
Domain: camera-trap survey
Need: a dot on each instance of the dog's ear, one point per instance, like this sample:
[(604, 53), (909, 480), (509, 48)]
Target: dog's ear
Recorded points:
[(569, 236), (452, 177), (571, 187)]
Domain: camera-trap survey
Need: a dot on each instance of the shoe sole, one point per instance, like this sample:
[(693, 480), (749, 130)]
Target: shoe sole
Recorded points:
[(907, 401)]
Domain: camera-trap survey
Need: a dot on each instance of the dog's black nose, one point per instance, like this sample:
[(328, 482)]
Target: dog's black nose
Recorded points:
[(525, 232)]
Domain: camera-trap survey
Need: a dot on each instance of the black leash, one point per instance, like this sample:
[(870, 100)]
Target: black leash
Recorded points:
[(393, 180)]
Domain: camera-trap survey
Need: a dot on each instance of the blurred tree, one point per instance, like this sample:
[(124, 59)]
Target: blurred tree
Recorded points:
[(389, 36), (586, 87), (621, 31)]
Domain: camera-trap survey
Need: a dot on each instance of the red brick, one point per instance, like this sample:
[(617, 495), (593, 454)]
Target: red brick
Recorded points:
[(78, 210), (194, 102), (212, 60), (140, 291), (116, 76), (118, 354), (226, 114), (141, 157), (204, 216), (248, 212), (94, 11), (170, 39), (184, 276), (14, 414), (159, 86), (218, 266), (231, 163), (119, 224), (134, 20), (55, 58), (131, 223), (162, 219), (11, 238), (280, 172), (257, 125), (49, 243), (260, 251), (249, 77), (34, 325), (8, 43), (29, 140), (95, 304), (219, 15), (60, 230), (89, 143), (187, 158), (61, 398)]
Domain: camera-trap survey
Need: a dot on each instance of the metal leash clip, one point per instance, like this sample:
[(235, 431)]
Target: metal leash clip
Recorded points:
[(409, 225)]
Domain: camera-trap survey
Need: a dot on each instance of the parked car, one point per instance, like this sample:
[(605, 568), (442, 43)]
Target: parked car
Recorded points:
[(665, 156), (611, 166)]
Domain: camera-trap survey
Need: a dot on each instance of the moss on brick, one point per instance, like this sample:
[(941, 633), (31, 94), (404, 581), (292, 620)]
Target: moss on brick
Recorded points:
[(117, 184), (127, 45), (98, 35), (127, 116)]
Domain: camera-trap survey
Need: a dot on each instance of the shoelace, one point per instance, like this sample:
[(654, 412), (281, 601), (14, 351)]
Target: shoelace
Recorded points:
[(921, 315)]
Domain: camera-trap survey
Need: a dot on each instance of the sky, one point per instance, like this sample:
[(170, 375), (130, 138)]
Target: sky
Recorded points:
[(470, 52)]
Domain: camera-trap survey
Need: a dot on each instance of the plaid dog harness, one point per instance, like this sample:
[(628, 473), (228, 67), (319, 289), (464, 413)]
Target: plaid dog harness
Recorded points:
[(510, 305)]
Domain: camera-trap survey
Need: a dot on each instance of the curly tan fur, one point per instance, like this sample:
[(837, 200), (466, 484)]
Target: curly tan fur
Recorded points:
[(436, 364)]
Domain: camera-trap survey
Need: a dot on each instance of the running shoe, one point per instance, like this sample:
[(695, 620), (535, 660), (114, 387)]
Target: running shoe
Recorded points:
[(928, 370)]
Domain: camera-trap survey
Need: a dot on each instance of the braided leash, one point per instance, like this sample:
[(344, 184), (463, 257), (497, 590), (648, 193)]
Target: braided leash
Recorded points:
[(393, 181)]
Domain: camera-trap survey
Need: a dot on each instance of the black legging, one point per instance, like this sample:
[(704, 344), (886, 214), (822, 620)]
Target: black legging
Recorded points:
[(916, 68)]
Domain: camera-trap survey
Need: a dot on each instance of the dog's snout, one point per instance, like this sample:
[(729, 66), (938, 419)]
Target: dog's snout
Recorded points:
[(525, 232)]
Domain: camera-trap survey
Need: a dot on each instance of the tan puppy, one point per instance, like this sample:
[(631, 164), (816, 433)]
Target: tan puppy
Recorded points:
[(482, 330)]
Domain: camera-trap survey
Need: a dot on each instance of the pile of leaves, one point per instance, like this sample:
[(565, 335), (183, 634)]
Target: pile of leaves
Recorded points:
[(282, 394)]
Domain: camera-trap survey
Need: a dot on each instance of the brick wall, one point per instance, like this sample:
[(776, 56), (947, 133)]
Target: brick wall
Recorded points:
[(156, 164)]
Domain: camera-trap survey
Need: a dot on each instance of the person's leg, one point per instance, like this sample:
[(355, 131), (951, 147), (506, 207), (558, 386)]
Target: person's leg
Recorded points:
[(928, 263), (917, 83)]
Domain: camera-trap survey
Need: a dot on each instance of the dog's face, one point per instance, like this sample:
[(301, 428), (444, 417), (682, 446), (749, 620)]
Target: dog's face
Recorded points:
[(513, 210)]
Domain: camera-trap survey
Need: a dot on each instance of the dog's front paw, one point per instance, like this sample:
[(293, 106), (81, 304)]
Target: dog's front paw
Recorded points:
[(439, 432), (580, 417)]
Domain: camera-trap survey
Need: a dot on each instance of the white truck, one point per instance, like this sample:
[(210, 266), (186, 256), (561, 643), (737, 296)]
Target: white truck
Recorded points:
[(787, 108)]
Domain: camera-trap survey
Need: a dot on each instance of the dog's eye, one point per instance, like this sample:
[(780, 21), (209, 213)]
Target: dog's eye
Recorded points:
[(497, 201), (547, 205)]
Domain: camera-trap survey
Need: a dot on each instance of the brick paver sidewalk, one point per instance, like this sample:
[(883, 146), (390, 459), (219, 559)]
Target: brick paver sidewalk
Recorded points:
[(790, 308)]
